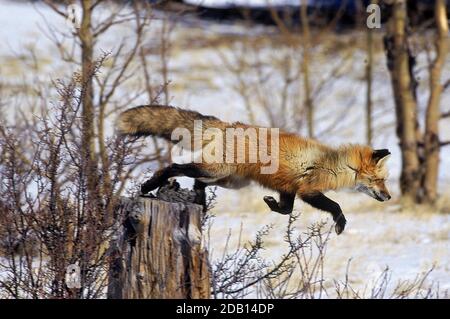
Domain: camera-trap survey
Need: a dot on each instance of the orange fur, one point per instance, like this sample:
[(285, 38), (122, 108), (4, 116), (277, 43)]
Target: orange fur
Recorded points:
[(307, 166)]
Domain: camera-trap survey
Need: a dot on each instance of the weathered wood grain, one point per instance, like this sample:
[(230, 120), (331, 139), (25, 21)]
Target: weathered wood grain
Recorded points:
[(158, 251)]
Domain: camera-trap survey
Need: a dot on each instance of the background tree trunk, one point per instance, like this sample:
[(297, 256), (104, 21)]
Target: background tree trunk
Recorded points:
[(88, 112), (305, 67), (158, 252), (400, 64), (420, 151), (432, 143), (369, 73)]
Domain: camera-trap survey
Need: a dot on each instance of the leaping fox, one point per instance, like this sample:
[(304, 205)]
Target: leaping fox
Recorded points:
[(307, 168)]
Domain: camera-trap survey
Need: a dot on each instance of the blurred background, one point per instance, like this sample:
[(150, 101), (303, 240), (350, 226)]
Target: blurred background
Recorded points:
[(355, 71)]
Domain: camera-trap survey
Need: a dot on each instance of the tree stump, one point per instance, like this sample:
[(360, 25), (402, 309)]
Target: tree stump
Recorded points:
[(157, 252)]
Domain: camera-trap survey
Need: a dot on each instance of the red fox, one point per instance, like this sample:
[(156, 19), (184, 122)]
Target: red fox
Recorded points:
[(306, 167)]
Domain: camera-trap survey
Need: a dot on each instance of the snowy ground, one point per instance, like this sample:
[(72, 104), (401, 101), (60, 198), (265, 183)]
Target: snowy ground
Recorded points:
[(377, 235)]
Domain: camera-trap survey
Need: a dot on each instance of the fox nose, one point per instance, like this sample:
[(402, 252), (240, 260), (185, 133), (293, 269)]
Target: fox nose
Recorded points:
[(386, 196)]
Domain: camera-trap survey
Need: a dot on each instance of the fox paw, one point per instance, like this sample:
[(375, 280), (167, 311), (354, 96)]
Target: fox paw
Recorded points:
[(271, 202), (275, 206), (340, 224), (147, 187), (173, 184), (153, 184)]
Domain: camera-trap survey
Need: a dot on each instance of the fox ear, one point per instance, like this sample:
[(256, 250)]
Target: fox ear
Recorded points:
[(378, 155)]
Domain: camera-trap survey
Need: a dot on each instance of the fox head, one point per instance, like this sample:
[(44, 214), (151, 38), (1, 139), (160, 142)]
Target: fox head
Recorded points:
[(371, 175)]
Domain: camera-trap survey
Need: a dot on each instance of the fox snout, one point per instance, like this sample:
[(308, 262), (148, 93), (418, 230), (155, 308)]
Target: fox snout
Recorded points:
[(381, 193), (382, 196)]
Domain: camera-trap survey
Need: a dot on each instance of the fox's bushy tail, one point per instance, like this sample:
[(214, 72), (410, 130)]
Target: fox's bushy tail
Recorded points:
[(160, 120)]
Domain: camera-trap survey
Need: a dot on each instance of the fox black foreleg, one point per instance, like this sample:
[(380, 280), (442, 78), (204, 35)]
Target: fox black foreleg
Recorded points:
[(160, 177), (285, 205), (320, 201)]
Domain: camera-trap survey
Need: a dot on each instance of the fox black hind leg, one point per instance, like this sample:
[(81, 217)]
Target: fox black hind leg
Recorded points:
[(285, 205), (200, 194), (160, 177), (320, 201)]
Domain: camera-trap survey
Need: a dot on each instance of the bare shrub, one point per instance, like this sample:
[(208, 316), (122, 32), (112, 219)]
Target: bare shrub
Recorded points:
[(48, 221), (300, 272)]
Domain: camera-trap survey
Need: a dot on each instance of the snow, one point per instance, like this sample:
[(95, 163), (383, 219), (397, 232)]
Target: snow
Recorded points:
[(377, 235)]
